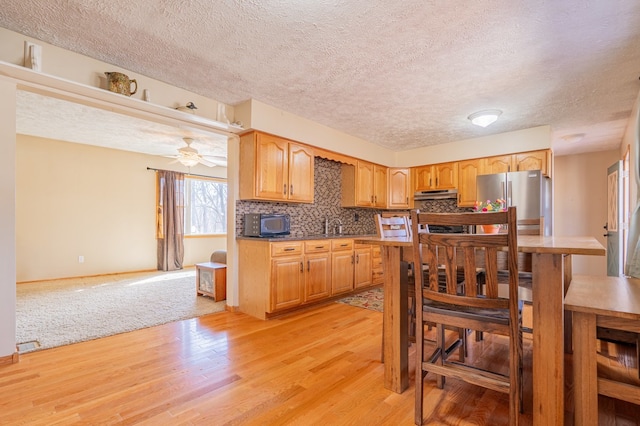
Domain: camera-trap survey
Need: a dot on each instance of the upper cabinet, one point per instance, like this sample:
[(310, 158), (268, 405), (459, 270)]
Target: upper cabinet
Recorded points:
[(400, 192), (468, 170), (533, 160), (498, 164), (274, 168), (364, 185), (437, 176)]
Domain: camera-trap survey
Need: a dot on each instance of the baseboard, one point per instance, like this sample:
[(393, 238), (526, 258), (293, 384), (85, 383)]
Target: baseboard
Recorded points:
[(10, 359), (93, 276), (234, 309)]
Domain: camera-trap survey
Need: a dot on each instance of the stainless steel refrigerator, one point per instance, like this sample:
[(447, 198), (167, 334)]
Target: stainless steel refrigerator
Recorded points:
[(529, 191)]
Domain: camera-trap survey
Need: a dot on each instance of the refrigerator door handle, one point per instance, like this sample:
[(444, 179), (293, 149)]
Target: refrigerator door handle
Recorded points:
[(509, 194)]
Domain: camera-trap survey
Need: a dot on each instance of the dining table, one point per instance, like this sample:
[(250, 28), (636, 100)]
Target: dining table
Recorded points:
[(551, 273)]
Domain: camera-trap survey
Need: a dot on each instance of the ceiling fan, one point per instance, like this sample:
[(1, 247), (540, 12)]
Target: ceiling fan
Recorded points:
[(188, 156)]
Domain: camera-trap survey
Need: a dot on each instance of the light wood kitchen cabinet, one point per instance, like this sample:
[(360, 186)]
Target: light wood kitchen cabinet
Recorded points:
[(436, 176), (364, 185), (399, 189), (275, 168), (317, 264), (468, 170), (377, 276), (286, 277), (533, 160), (497, 164), (362, 272), (342, 264), (278, 277), (286, 283)]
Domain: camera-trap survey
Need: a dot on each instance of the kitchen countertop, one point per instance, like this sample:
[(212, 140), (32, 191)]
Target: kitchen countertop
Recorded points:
[(306, 237)]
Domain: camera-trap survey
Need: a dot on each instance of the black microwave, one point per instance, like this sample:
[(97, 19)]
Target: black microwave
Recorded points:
[(266, 225)]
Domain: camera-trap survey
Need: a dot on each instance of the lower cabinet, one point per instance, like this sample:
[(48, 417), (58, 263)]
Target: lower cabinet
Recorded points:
[(376, 266), (317, 270), (362, 272), (286, 283), (276, 277), (342, 261)]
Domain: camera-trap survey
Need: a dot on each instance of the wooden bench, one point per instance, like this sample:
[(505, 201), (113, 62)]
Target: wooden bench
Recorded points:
[(598, 301)]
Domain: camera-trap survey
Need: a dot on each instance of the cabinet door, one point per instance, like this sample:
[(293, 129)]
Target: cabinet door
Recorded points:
[(341, 271), (362, 269), (364, 184), (424, 177), (317, 276), (446, 176), (271, 167), (399, 188), (300, 173), (498, 164), (467, 172), (376, 266), (380, 186), (286, 283), (536, 160)]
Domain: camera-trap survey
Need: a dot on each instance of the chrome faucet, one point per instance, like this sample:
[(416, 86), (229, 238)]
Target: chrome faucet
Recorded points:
[(338, 227)]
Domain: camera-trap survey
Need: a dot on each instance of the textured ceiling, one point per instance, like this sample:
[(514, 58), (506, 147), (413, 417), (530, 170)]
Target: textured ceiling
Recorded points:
[(401, 74)]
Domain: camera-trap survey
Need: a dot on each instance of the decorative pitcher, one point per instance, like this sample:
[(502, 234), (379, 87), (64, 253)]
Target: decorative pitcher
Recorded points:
[(120, 83)]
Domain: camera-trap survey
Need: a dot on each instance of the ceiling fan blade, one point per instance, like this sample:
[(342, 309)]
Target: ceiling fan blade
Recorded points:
[(207, 163)]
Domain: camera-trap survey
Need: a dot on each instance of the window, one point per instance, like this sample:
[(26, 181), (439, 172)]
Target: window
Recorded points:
[(205, 210)]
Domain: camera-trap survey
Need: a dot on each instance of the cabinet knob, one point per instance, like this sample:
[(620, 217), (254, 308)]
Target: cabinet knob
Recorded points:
[(301, 267), (291, 189), (284, 189)]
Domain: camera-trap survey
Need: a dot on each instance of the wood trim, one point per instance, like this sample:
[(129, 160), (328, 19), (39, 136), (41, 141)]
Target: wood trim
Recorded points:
[(234, 309), (330, 155), (10, 359)]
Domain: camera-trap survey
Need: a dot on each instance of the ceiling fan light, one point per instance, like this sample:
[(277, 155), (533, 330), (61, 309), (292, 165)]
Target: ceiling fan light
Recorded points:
[(485, 118), (188, 162)]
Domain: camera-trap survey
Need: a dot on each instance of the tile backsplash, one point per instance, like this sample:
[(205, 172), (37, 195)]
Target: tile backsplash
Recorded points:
[(308, 219)]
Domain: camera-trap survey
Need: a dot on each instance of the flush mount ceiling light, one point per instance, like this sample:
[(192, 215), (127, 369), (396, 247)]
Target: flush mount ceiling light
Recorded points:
[(484, 118), (573, 138)]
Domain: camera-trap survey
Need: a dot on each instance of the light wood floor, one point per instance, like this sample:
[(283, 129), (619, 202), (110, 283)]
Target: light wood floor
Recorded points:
[(319, 367)]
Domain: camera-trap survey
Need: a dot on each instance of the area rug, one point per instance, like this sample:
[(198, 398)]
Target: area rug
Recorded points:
[(370, 299), (60, 312)]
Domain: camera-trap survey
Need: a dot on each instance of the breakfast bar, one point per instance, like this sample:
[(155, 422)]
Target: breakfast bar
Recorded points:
[(551, 267)]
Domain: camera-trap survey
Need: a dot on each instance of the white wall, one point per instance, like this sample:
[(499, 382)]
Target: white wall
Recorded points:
[(7, 220), (533, 139), (79, 200), (580, 202), (82, 69)]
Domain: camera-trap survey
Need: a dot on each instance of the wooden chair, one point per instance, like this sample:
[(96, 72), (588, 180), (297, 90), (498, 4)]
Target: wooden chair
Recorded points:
[(389, 225), (392, 226), (476, 308)]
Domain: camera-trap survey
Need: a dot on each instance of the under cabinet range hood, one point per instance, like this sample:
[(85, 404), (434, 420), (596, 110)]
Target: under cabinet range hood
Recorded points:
[(435, 194)]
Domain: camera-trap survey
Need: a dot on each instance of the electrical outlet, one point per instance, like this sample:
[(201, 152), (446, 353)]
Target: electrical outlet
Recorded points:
[(356, 217), (80, 259)]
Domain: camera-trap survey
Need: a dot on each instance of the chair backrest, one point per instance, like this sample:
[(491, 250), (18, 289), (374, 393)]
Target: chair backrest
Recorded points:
[(392, 226), (531, 226), (447, 253)]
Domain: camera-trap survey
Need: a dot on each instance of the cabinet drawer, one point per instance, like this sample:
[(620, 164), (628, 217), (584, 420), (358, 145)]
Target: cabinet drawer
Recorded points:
[(317, 246), (375, 251), (341, 244), (286, 249)]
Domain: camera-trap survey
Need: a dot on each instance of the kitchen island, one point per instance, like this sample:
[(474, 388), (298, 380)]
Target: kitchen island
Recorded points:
[(284, 274)]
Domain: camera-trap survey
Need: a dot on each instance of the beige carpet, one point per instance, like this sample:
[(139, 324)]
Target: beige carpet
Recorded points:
[(60, 312)]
